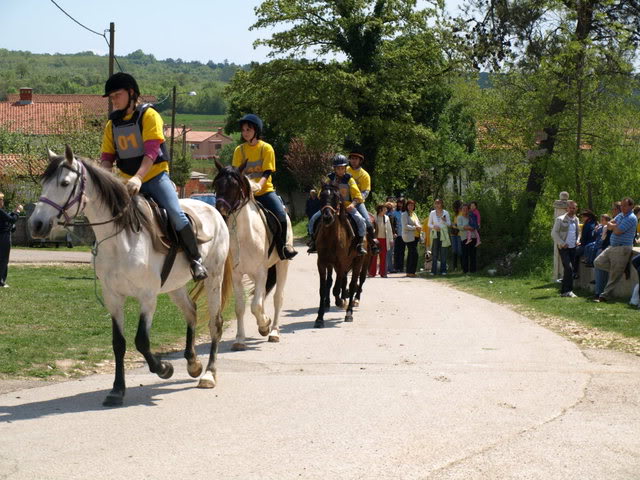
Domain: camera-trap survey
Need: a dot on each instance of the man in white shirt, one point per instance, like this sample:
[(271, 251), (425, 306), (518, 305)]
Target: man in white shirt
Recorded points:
[(565, 236)]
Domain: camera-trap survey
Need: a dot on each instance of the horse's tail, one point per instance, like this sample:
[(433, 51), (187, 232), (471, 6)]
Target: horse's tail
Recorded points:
[(227, 282), (271, 278)]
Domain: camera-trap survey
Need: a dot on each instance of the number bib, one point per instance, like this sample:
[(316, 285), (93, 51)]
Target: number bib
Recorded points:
[(128, 140)]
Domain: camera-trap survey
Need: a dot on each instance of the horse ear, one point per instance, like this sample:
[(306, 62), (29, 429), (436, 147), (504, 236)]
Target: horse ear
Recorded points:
[(243, 166), (68, 154), (219, 165), (51, 154)]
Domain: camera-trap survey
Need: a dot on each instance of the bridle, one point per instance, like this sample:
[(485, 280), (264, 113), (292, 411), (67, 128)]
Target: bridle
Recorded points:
[(241, 200), (78, 186), (328, 207), (78, 198)]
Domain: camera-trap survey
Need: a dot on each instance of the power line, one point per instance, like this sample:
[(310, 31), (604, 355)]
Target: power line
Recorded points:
[(87, 28)]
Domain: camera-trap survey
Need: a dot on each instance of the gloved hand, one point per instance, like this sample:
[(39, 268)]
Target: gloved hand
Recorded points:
[(255, 187), (133, 185)]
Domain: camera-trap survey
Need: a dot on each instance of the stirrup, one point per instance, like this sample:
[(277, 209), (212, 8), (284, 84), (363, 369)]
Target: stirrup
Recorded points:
[(198, 272)]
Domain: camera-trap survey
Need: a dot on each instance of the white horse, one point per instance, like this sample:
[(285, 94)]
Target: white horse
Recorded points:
[(127, 263), (250, 252)]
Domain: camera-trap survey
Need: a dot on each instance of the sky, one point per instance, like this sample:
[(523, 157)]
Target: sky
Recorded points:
[(200, 30)]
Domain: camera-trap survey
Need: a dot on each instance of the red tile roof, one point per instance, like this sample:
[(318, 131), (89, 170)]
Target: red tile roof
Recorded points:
[(94, 105), (22, 165), (41, 118)]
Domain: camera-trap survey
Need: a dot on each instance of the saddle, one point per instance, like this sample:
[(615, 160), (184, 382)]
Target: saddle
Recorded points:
[(273, 226), (164, 237)]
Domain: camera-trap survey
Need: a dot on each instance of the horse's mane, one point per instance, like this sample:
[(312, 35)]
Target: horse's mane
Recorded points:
[(112, 192)]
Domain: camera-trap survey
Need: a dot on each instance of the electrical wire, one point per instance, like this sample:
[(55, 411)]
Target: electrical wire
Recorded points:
[(87, 28)]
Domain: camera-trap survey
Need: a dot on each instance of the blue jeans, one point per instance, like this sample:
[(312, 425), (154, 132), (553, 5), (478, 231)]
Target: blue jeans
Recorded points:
[(161, 189), (602, 277), (360, 223), (438, 252), (362, 210), (272, 202)]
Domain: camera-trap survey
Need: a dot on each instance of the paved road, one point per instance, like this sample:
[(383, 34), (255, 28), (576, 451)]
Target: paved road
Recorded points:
[(427, 383)]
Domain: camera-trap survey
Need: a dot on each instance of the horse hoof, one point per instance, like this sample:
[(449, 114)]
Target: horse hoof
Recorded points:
[(194, 369), (319, 324), (264, 331), (167, 371), (238, 347), (348, 318), (207, 381), (274, 337), (113, 400), (356, 303)]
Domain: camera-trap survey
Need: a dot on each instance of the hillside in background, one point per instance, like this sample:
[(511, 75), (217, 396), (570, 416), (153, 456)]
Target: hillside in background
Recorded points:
[(86, 72)]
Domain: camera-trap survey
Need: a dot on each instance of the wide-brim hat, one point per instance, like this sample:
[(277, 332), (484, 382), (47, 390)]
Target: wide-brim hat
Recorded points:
[(357, 155)]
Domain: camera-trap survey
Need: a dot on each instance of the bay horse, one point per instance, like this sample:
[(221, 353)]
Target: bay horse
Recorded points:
[(335, 243), (128, 265), (251, 252)]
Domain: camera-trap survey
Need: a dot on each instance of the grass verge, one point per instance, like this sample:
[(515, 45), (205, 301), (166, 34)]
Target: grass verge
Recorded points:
[(51, 323)]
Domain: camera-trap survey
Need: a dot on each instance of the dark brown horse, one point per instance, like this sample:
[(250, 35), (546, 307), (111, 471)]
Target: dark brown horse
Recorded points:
[(336, 250)]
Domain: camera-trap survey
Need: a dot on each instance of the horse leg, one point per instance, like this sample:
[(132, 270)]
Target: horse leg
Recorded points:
[(353, 285), (238, 293), (182, 300), (361, 279), (214, 298), (282, 269), (257, 304), (329, 283), (161, 368), (337, 289), (115, 305), (324, 295)]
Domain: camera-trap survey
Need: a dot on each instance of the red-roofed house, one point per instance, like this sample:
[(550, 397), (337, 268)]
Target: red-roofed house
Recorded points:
[(205, 145), (92, 105), (41, 118), (23, 166)]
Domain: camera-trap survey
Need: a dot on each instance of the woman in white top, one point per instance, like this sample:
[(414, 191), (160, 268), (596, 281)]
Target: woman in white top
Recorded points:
[(385, 241), (439, 223), (411, 235)]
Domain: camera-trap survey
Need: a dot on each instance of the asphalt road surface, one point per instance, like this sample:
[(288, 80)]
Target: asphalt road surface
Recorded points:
[(426, 383)]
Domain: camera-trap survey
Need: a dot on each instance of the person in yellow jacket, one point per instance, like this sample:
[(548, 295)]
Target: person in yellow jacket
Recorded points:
[(261, 164), (134, 140), (350, 197), (363, 180)]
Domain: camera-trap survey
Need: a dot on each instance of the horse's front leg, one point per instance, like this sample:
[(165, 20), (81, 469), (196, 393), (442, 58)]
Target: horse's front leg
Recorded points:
[(353, 286), (257, 304), (238, 292), (181, 298), (282, 269), (324, 294), (361, 279), (162, 368), (115, 305), (214, 299)]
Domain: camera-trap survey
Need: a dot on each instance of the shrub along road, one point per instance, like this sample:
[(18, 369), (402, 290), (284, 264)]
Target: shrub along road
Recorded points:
[(428, 382)]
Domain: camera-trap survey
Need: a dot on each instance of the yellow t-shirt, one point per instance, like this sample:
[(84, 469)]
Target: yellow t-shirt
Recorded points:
[(151, 130), (349, 190), (362, 178), (260, 158)]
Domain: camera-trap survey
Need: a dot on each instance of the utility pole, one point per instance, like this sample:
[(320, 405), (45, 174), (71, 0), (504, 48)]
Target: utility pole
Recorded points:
[(173, 126), (112, 36)]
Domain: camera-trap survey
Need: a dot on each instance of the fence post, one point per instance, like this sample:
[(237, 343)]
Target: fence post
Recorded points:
[(559, 208)]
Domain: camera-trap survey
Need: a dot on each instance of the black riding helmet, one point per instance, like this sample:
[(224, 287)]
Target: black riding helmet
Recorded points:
[(255, 121), (121, 80), (340, 161)]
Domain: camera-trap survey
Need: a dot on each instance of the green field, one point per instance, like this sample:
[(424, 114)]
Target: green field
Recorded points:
[(197, 122)]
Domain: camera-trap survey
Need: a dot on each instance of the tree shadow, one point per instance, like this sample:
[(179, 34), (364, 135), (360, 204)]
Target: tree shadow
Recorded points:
[(546, 285), (146, 395)]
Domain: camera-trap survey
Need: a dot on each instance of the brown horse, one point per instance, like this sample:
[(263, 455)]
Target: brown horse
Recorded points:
[(336, 250)]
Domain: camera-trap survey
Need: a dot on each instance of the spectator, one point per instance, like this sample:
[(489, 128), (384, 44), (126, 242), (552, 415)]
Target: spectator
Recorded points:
[(601, 277), (587, 237), (474, 222), (411, 236), (313, 204), (468, 249), (456, 243), (385, 240), (391, 207), (565, 237), (399, 246), (439, 223), (601, 235), (616, 257), (7, 222)]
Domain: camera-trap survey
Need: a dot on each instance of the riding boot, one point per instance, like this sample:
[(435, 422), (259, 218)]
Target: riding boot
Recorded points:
[(359, 246), (284, 251), (190, 246), (371, 236), (312, 240)]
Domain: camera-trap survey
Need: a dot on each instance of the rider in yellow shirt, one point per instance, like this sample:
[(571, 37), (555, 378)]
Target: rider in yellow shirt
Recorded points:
[(363, 180), (261, 163), (133, 139)]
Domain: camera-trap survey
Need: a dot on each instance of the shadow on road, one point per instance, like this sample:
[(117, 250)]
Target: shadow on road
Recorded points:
[(91, 401)]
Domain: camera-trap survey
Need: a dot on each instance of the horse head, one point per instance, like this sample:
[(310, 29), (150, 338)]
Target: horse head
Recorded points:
[(330, 203), (63, 185), (232, 188)]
